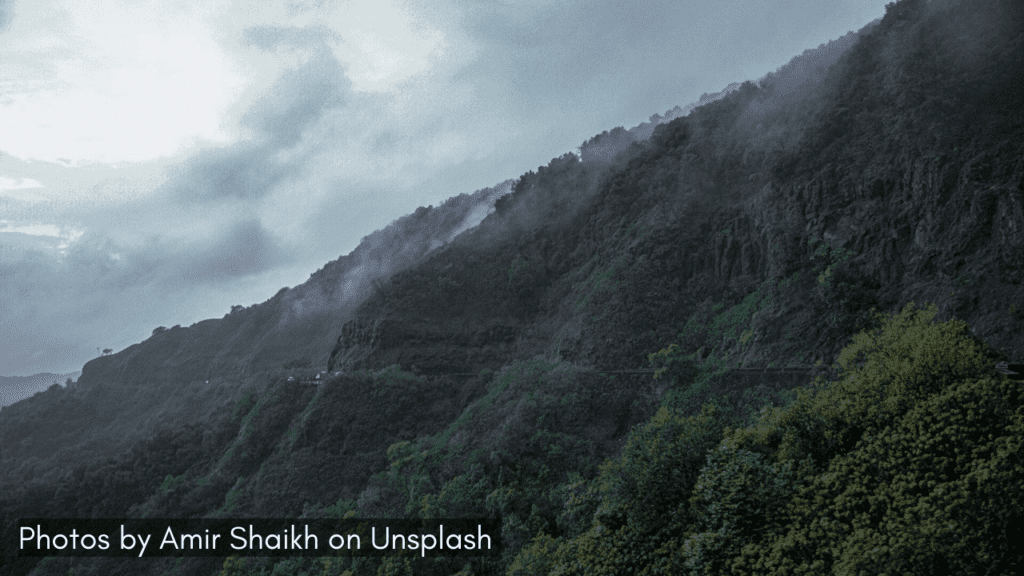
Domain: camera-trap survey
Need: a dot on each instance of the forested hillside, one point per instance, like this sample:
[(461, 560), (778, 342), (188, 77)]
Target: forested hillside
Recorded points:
[(760, 341)]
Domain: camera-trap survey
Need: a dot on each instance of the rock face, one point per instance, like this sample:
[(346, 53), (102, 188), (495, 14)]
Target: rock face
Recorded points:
[(356, 342)]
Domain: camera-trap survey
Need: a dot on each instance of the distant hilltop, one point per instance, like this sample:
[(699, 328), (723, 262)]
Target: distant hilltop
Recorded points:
[(16, 388)]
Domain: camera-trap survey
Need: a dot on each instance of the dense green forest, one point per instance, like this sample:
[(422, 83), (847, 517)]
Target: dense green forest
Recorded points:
[(761, 341)]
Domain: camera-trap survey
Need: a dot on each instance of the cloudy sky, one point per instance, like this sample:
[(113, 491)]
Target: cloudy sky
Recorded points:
[(162, 160)]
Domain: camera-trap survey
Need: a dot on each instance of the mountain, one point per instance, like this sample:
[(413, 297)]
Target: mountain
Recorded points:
[(15, 388), (743, 194), (290, 333), (765, 339)]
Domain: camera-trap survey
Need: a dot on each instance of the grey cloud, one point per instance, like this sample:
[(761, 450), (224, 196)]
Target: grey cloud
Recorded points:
[(245, 248), (251, 169), (149, 256), (561, 46), (298, 99), (302, 6), (56, 310), (127, 271), (273, 37), (237, 248), (6, 14), (45, 302), (243, 171), (544, 78)]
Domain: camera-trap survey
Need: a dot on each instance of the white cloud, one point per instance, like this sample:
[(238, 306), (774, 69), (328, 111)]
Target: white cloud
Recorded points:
[(31, 229), (18, 189), (111, 82), (381, 59), (8, 183)]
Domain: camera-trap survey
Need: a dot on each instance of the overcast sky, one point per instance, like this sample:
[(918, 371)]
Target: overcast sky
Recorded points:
[(162, 160)]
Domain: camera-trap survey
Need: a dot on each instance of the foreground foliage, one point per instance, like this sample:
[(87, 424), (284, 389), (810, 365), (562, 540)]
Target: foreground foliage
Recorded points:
[(909, 463)]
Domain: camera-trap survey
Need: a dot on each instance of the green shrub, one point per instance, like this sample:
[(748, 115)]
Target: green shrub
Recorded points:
[(537, 558), (881, 374), (171, 483), (936, 492), (644, 501), (738, 497), (884, 371), (657, 469), (913, 447)]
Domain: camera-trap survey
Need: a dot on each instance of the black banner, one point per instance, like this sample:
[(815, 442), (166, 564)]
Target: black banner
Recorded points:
[(170, 537)]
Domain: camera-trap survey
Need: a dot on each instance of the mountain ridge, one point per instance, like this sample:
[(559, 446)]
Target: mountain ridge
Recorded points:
[(16, 388)]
